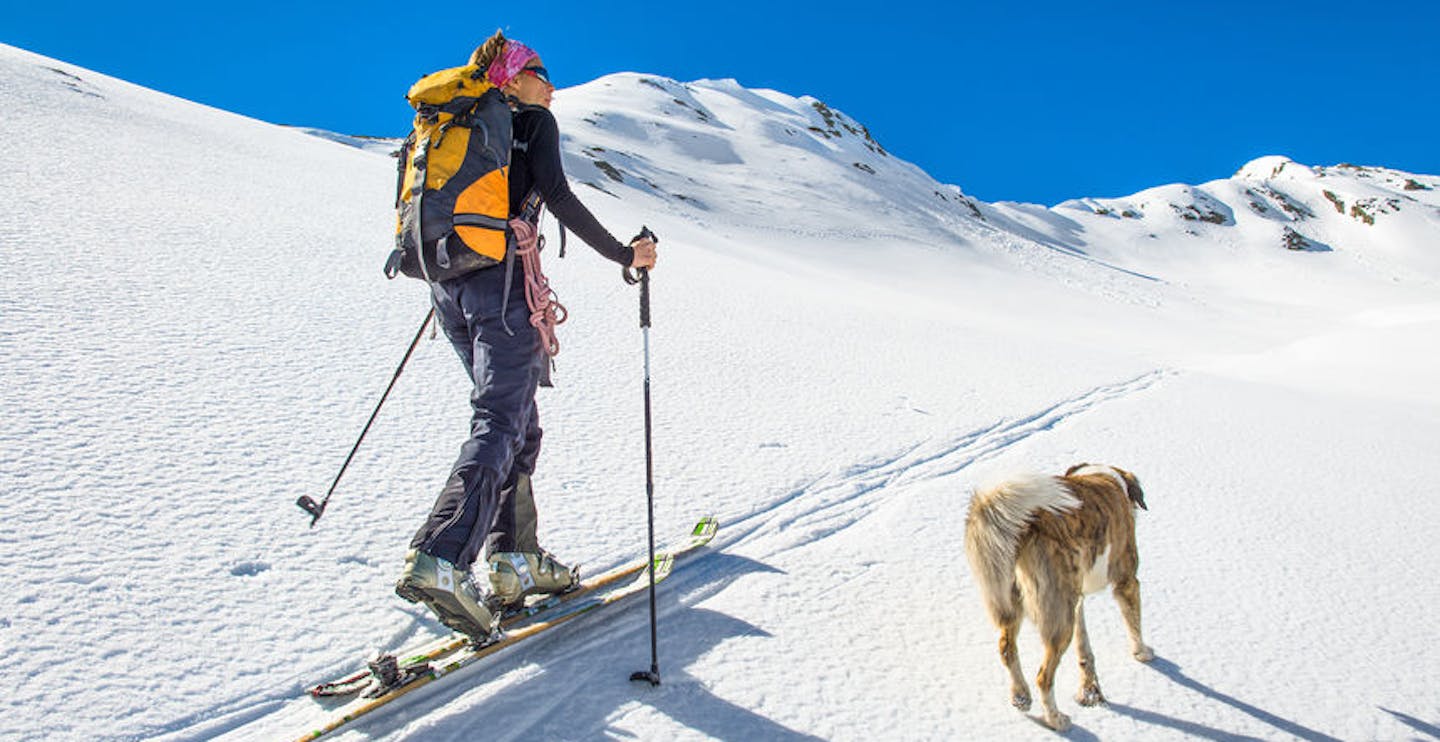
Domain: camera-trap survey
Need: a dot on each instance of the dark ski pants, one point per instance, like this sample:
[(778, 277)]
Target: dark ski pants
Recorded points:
[(505, 361)]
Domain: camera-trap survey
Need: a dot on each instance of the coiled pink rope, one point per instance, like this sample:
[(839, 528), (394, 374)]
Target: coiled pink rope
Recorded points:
[(546, 311)]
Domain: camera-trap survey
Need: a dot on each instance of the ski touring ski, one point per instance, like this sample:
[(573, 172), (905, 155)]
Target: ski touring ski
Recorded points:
[(392, 676)]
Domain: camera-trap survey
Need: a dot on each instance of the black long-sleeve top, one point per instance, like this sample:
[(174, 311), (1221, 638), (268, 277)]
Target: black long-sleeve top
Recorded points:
[(535, 164)]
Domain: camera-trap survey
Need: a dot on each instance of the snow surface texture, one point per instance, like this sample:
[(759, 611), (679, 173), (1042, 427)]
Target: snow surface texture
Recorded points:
[(194, 328)]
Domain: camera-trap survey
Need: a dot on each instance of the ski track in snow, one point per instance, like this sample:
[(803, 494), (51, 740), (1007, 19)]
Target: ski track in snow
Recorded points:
[(829, 504)]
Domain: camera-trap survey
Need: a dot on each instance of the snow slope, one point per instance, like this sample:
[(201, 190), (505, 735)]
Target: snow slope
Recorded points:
[(194, 327)]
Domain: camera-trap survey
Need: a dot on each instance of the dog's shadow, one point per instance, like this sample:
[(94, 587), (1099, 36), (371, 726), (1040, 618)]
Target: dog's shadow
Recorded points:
[(1174, 673), (1075, 732)]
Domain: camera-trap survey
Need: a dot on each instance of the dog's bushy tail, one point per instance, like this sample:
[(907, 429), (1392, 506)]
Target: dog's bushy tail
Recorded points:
[(998, 517)]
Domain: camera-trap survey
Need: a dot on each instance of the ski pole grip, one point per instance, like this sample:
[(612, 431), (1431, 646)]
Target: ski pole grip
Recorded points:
[(643, 278), (644, 298)]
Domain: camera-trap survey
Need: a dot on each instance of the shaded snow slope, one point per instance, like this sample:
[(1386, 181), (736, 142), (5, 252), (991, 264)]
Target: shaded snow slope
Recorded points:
[(194, 328), (379, 145)]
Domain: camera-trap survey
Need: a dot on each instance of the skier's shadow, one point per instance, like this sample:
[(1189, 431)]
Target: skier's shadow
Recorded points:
[(574, 683)]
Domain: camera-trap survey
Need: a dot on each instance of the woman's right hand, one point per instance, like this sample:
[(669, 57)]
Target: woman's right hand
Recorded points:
[(644, 248)]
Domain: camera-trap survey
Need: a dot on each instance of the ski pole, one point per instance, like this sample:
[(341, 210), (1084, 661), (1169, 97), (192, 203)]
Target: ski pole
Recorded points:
[(653, 675), (308, 503)]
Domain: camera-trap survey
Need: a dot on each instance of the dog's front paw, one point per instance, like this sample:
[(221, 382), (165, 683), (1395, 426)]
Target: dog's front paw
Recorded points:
[(1090, 695), (1057, 721), (1020, 700), (1143, 653)]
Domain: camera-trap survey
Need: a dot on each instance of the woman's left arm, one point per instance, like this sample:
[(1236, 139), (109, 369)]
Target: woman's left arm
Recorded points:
[(549, 174)]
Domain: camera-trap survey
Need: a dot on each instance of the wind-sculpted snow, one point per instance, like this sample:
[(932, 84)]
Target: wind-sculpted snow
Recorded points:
[(194, 328)]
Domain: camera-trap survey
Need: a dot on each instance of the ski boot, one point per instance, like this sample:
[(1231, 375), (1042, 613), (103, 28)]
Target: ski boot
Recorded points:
[(448, 593), (515, 574), (520, 567)]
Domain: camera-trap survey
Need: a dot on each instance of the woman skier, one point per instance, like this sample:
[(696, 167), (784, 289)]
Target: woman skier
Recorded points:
[(487, 504)]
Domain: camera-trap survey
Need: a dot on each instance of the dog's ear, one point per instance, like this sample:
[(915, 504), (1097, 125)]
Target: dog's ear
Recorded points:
[(1075, 468), (1132, 488)]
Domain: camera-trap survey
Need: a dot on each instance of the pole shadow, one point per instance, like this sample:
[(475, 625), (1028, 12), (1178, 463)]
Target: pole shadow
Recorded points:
[(1190, 728), (1414, 723)]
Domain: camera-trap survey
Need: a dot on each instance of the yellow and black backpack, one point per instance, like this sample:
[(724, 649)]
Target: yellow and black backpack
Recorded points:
[(453, 196)]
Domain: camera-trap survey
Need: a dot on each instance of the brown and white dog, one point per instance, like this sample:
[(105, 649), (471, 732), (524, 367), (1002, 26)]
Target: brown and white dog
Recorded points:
[(1037, 545)]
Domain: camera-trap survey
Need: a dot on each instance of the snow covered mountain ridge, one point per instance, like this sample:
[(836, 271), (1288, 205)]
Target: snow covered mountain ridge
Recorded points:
[(730, 157), (734, 160)]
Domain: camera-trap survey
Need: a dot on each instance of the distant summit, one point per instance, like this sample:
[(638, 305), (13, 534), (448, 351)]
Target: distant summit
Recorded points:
[(1272, 166)]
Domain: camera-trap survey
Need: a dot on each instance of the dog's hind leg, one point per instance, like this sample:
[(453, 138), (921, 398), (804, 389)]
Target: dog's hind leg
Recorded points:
[(1010, 656), (1056, 624), (1007, 618), (1127, 594), (1089, 693)]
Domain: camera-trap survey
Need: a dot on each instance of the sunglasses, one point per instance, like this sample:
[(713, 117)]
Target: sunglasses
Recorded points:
[(540, 73)]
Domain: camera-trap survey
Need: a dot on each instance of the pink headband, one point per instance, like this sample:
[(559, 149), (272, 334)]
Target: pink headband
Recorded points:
[(508, 64)]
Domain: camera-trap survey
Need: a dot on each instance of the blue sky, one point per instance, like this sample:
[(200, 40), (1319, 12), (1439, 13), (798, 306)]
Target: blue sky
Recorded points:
[(1040, 102)]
